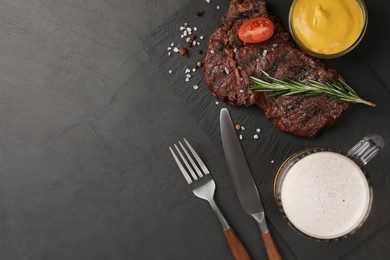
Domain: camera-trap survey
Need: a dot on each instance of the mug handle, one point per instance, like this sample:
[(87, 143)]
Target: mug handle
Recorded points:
[(367, 148)]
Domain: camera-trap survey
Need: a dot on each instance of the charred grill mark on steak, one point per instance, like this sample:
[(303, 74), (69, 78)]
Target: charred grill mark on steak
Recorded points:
[(298, 115)]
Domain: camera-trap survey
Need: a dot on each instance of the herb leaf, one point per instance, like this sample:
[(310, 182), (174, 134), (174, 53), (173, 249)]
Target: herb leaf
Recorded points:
[(336, 89)]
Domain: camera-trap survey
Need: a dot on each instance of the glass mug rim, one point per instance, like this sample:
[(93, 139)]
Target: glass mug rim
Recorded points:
[(297, 156)]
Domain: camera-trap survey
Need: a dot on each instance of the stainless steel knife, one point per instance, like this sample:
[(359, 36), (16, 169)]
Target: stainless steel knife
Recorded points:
[(243, 182)]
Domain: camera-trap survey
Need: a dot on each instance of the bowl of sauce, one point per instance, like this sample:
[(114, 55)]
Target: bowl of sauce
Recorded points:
[(328, 28), (324, 193)]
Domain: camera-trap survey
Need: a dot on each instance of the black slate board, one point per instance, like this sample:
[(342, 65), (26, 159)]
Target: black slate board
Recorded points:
[(268, 152)]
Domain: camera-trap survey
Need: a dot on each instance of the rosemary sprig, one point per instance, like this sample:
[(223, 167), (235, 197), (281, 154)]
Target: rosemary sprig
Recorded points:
[(336, 89)]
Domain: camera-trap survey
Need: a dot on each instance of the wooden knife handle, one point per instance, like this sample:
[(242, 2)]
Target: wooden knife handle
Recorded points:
[(236, 247), (270, 247)]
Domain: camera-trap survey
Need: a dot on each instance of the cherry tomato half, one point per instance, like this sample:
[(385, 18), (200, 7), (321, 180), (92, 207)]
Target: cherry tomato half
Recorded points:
[(256, 30)]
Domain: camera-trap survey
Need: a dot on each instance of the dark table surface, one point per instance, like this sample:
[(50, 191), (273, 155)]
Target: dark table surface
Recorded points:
[(85, 122)]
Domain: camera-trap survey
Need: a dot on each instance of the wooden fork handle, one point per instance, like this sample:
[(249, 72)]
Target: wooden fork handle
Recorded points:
[(271, 247), (236, 247)]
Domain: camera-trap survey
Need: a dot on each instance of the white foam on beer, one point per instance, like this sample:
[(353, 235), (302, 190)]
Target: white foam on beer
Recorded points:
[(325, 195)]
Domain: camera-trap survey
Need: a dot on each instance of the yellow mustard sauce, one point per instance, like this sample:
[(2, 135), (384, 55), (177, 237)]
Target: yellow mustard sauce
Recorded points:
[(327, 26)]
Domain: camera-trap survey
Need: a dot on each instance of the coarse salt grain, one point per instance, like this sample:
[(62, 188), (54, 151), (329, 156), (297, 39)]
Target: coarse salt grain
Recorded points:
[(216, 102), (226, 70), (188, 75), (172, 44), (258, 130), (188, 39), (235, 49), (169, 53), (274, 45), (212, 52), (195, 87), (187, 71), (198, 43), (218, 7), (272, 161), (240, 136), (242, 128), (201, 37), (264, 53), (185, 33), (169, 48), (256, 137), (170, 71), (195, 28), (208, 1), (175, 49), (193, 43), (181, 28), (193, 70), (182, 36), (241, 91), (187, 79)]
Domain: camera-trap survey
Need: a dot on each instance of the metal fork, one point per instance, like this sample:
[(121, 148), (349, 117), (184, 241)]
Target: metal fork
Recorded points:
[(203, 186)]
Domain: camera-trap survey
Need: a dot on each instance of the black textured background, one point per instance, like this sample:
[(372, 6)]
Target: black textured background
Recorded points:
[(85, 121)]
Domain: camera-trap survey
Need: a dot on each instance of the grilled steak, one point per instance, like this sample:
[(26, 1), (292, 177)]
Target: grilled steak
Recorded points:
[(229, 62)]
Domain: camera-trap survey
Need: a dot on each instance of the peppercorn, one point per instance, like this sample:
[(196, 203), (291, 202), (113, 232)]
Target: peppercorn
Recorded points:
[(200, 13), (199, 64), (184, 52)]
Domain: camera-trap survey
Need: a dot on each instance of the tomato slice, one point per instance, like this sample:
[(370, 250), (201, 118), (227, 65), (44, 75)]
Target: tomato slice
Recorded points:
[(256, 30)]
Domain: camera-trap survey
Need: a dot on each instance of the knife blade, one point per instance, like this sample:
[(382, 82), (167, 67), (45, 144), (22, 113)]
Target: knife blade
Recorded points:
[(243, 182)]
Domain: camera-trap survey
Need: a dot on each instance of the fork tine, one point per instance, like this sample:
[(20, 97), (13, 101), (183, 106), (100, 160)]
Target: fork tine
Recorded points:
[(183, 171), (200, 162), (191, 161), (186, 163)]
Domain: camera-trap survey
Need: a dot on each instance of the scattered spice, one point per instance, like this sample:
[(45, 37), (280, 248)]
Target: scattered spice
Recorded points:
[(199, 64), (200, 13), (184, 52), (238, 127), (200, 51)]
